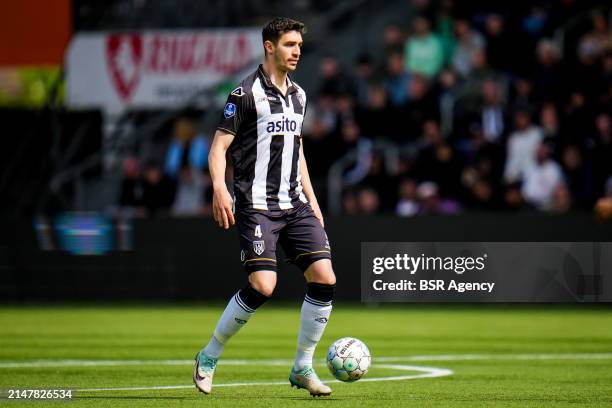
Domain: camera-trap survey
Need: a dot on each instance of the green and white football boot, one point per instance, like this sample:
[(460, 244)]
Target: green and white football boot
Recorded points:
[(308, 380)]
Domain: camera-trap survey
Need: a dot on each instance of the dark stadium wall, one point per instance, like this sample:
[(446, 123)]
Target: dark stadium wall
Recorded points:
[(192, 259)]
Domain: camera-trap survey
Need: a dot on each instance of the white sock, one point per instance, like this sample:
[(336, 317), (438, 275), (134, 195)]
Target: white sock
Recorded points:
[(233, 318), (313, 319)]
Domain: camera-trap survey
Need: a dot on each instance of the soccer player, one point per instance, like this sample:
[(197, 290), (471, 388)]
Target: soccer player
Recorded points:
[(274, 202)]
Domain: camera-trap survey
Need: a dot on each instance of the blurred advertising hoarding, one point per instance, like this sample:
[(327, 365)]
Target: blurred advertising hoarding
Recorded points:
[(154, 69)]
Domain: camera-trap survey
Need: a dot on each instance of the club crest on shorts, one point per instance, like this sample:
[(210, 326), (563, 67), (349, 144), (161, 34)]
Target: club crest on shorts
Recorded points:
[(259, 247)]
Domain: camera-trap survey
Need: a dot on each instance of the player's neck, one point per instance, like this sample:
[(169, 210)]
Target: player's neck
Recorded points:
[(277, 77)]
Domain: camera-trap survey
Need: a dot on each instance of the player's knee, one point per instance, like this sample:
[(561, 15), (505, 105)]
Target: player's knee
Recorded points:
[(266, 288), (326, 279), (321, 272)]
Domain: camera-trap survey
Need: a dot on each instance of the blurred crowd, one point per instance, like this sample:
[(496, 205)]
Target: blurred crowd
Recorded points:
[(464, 108)]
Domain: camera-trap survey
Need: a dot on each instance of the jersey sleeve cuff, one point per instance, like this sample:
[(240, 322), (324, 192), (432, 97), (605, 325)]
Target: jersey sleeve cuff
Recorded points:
[(231, 132)]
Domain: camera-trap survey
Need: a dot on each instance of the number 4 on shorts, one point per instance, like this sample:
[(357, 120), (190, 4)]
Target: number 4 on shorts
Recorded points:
[(258, 231)]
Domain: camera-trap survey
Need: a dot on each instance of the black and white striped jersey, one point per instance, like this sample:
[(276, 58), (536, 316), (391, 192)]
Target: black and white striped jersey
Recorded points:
[(267, 126)]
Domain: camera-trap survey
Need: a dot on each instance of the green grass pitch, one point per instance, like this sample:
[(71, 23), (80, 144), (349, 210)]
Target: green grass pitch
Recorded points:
[(484, 355)]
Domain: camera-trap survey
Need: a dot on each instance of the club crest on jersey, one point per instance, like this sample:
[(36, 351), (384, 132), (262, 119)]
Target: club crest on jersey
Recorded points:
[(259, 247), (238, 91), (300, 99), (230, 110)]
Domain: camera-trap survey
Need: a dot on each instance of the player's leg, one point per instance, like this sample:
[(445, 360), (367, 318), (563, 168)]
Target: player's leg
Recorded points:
[(239, 310), (316, 309), (305, 242), (258, 236)]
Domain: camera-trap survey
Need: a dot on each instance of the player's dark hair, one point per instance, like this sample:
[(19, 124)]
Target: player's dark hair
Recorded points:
[(276, 27)]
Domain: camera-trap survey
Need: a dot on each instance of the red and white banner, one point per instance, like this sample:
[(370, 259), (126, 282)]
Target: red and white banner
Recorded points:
[(154, 69)]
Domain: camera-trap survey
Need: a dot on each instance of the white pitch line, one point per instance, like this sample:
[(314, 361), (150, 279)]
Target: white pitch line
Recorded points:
[(425, 372), (280, 362), (526, 356)]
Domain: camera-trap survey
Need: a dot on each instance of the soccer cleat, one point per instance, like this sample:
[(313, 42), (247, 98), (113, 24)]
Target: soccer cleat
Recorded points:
[(203, 372), (308, 379)]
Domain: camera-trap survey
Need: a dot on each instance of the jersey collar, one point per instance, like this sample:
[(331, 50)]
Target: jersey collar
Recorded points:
[(268, 82)]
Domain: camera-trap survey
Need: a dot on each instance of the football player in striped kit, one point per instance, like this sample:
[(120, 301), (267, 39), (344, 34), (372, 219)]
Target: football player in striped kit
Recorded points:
[(274, 203)]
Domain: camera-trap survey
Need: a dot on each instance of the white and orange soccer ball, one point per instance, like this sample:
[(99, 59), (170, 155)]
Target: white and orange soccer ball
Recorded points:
[(348, 359)]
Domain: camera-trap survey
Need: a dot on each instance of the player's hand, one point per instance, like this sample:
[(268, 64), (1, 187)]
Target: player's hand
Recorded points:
[(222, 207), (318, 213)]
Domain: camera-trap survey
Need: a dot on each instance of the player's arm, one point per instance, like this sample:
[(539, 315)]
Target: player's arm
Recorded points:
[(222, 200), (307, 187)]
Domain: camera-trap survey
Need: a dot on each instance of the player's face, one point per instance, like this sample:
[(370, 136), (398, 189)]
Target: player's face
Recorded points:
[(288, 50)]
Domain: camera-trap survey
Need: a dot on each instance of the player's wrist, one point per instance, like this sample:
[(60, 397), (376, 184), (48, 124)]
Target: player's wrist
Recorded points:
[(219, 186)]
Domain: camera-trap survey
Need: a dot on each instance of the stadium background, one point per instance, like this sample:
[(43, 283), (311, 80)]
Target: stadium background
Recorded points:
[(427, 121)]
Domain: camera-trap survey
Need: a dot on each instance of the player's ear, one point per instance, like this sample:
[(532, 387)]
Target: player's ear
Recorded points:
[(269, 47)]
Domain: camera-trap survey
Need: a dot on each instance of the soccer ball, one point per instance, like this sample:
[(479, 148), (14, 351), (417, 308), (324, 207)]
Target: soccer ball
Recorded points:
[(348, 359)]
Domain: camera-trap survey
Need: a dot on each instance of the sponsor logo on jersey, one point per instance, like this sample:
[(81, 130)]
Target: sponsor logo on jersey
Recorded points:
[(272, 98), (321, 319), (230, 110), (283, 125), (259, 247), (242, 255), (239, 321), (238, 91)]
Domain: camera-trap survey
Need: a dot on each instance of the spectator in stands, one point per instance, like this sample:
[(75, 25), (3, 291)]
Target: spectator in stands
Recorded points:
[(397, 80), (368, 201), (332, 82), (158, 190), (446, 90), (492, 111), (131, 190), (561, 200), (421, 106), (364, 78), (424, 54), (432, 204), (437, 161), (468, 42), (377, 120), (578, 176), (549, 122), (600, 152), (407, 204), (521, 147), (522, 96), (599, 39), (548, 76), (541, 179), (187, 148), (393, 40), (191, 193), (498, 44)]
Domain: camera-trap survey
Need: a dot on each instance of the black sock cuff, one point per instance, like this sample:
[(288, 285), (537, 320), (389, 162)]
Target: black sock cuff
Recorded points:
[(320, 294), (250, 299)]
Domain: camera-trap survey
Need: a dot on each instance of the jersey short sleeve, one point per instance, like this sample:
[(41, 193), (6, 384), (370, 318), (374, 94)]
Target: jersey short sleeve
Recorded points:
[(234, 111)]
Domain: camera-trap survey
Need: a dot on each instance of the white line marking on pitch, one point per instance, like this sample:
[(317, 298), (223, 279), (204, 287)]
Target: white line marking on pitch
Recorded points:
[(425, 372), (236, 362)]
